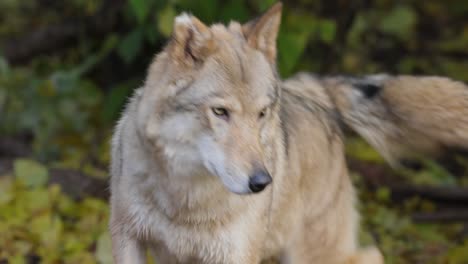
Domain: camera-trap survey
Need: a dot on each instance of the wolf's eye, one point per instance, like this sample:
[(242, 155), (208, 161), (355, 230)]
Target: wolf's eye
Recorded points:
[(220, 112), (263, 113)]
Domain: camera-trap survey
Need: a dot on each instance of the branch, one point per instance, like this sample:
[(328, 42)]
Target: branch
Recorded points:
[(454, 215), (376, 175), (450, 195)]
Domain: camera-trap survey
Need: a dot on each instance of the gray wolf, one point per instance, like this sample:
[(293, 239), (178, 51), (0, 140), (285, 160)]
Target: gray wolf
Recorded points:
[(216, 160)]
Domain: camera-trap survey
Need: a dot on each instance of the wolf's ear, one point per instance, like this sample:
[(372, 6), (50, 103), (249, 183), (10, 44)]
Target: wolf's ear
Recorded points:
[(261, 33), (192, 41)]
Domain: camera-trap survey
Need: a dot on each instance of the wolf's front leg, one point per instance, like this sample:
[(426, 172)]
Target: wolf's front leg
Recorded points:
[(127, 250)]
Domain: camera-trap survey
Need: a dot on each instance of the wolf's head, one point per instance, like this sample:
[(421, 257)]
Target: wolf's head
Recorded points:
[(211, 100)]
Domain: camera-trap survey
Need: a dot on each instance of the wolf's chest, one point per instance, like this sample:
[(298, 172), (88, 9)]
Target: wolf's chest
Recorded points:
[(213, 245)]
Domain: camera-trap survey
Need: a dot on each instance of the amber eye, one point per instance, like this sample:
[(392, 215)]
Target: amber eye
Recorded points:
[(220, 112), (263, 113)]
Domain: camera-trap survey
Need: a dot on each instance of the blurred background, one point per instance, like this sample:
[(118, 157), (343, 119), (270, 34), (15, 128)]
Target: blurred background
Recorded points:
[(68, 67)]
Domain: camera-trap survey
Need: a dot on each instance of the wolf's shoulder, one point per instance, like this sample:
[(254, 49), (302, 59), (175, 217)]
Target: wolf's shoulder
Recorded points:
[(119, 132)]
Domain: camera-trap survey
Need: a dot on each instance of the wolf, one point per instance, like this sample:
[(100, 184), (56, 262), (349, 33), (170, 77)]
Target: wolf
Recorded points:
[(404, 116), (216, 160)]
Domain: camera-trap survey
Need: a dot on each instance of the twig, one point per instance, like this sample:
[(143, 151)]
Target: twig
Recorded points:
[(452, 195), (453, 215)]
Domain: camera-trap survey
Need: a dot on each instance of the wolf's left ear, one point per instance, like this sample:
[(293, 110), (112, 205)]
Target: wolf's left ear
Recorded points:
[(192, 41), (261, 33)]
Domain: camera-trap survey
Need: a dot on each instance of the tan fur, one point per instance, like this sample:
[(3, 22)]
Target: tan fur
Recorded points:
[(180, 173), (409, 115)]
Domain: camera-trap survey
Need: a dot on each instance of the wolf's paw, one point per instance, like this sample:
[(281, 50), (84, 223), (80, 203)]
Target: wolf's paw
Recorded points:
[(369, 255)]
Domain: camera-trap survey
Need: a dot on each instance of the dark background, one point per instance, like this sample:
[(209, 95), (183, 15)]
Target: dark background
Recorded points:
[(67, 68)]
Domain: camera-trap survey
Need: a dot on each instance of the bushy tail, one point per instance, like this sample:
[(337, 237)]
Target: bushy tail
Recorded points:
[(403, 116)]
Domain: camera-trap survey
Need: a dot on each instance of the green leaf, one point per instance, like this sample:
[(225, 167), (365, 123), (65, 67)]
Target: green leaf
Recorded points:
[(359, 149), (327, 30), (165, 20), (93, 59), (383, 194), (38, 199), (263, 5), (454, 69), (360, 25), (17, 259), (434, 174), (399, 22), (6, 189), (131, 45), (4, 67), (115, 99), (458, 254), (293, 39), (48, 228), (141, 9), (151, 34), (103, 249), (30, 172), (291, 45), (206, 10), (234, 10)]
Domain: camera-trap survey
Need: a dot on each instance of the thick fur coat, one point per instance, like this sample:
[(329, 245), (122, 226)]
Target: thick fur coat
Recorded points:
[(211, 114)]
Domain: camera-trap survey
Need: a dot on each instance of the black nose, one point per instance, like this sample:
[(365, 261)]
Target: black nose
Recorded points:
[(259, 180)]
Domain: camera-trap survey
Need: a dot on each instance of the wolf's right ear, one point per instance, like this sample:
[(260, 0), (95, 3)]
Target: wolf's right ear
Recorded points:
[(261, 33), (192, 41)]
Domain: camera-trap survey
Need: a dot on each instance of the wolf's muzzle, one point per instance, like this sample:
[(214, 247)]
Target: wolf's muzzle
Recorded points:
[(259, 180)]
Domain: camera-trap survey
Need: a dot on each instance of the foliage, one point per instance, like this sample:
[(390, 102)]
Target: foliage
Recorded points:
[(41, 221), (64, 100)]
